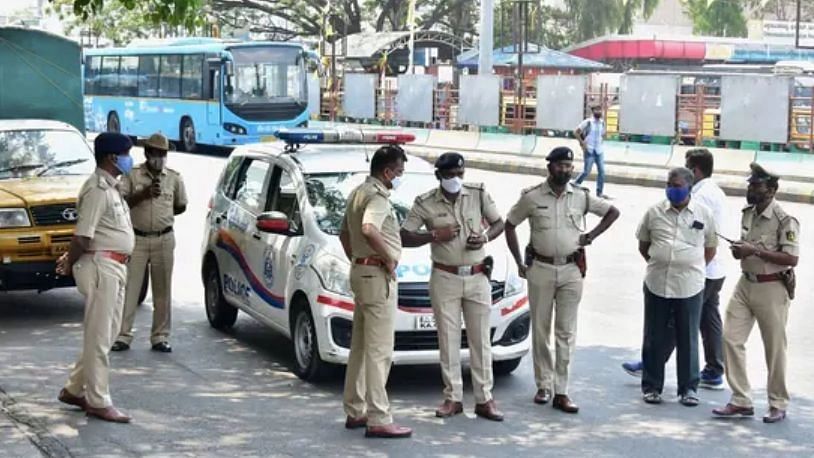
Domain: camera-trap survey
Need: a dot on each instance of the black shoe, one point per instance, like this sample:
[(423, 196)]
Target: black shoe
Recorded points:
[(119, 346), (162, 347)]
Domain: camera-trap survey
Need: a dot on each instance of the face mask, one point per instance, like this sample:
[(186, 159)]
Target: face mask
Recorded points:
[(124, 162), (452, 185), (157, 163), (597, 115), (677, 195), (561, 178), (395, 182), (754, 198)]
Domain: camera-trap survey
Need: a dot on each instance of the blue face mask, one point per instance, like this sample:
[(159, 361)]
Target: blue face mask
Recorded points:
[(677, 195), (124, 162)]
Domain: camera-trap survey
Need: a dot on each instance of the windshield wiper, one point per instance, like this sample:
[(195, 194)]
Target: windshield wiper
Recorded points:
[(23, 167), (60, 164)]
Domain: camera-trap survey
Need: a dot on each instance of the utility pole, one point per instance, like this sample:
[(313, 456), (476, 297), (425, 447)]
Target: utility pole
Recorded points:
[(521, 12), (486, 45)]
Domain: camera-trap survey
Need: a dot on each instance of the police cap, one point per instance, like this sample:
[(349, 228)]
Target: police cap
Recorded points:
[(760, 174), (560, 153), (112, 143), (449, 160), (157, 141)]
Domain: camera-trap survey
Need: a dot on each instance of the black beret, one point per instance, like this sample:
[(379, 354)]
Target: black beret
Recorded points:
[(560, 153), (449, 160), (112, 143), (761, 174)]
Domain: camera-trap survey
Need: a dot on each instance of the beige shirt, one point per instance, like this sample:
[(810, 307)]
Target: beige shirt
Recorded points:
[(556, 221), (773, 230), (103, 215), (370, 203), (473, 210), (677, 268), (158, 213)]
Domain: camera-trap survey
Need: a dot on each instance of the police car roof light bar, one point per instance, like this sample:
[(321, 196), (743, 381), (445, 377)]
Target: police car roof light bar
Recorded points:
[(332, 135)]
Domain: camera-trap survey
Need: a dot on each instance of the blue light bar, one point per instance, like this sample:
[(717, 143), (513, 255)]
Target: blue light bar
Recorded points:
[(301, 136), (349, 135)]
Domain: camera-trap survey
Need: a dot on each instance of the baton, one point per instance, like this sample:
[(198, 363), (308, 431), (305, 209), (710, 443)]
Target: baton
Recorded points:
[(727, 239)]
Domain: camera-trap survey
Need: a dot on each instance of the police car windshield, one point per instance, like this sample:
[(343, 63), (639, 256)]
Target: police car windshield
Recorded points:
[(328, 195), (26, 153)]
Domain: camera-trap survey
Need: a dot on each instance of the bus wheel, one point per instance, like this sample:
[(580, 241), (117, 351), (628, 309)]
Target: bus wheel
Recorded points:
[(113, 124), (188, 135)]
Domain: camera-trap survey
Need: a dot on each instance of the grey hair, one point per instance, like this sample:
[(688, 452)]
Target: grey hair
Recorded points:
[(683, 173)]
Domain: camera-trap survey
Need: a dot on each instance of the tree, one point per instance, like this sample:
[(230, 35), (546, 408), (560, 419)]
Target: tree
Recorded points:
[(114, 22), (718, 18), (782, 10), (173, 12)]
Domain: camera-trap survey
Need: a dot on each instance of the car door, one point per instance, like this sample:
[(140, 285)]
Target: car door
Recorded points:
[(272, 255), (240, 282)]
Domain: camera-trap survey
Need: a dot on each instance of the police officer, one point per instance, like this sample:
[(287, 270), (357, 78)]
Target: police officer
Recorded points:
[(100, 248), (454, 216), (768, 251), (370, 238), (556, 212), (155, 195)]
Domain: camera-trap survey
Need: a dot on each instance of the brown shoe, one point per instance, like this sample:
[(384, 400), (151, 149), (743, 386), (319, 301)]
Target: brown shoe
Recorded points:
[(66, 397), (564, 403), (449, 408), (355, 423), (488, 410), (775, 415), (391, 431), (109, 413), (731, 410), (542, 396)]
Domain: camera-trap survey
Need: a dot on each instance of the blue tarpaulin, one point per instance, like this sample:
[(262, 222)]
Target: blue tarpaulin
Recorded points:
[(536, 56)]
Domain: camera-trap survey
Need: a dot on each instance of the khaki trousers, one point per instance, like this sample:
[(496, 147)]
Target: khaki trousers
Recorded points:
[(371, 347), (101, 281), (158, 252), (450, 295), (768, 304), (553, 290)]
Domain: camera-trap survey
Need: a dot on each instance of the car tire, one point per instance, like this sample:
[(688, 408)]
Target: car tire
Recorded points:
[(221, 314), (113, 123), (308, 365), (144, 285), (506, 367), (187, 135)]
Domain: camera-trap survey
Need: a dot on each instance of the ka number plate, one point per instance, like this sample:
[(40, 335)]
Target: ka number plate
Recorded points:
[(425, 322)]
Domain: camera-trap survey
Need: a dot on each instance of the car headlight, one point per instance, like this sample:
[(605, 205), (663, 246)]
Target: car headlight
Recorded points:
[(334, 274), (514, 284), (14, 217)]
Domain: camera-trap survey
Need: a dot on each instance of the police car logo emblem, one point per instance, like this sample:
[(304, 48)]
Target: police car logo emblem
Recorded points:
[(268, 267), (70, 214)]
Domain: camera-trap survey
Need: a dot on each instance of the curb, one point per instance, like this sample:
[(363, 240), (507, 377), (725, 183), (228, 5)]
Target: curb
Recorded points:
[(37, 437)]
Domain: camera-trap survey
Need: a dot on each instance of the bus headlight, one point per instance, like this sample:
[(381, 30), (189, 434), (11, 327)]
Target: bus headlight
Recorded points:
[(334, 274), (14, 217), (234, 128)]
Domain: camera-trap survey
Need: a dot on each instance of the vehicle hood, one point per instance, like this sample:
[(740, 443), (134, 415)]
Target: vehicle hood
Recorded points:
[(40, 190)]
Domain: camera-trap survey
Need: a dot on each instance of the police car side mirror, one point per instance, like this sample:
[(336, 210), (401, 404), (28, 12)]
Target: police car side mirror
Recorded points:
[(274, 223)]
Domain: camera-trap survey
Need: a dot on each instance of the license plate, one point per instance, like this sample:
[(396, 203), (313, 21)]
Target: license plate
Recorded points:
[(60, 248), (268, 138), (425, 322)]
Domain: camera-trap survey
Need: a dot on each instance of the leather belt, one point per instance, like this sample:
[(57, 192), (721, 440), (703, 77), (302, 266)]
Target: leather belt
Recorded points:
[(762, 278), (561, 261), (369, 262), (461, 270), (139, 233), (121, 258)]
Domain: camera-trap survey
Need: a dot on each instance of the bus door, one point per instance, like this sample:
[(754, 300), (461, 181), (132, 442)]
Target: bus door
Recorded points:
[(213, 102)]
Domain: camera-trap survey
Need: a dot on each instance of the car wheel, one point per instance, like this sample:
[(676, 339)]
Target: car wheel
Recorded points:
[(113, 124), (221, 314), (307, 363), (505, 367), (188, 135), (144, 284)]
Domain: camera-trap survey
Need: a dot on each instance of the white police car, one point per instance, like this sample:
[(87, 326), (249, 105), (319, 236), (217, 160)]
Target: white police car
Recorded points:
[(272, 250)]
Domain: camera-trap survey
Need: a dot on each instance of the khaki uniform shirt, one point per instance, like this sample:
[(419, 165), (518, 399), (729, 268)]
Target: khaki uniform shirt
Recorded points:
[(773, 230), (103, 215), (472, 210), (677, 268), (158, 213), (556, 221), (370, 203)]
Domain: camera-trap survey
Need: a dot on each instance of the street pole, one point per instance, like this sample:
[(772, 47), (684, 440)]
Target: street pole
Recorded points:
[(487, 19), (411, 25)]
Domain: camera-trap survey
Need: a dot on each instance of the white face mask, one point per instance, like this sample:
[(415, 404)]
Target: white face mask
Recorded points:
[(452, 185), (395, 182), (157, 163)]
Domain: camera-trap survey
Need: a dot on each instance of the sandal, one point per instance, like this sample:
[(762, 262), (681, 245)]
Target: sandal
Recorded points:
[(689, 400), (652, 398)]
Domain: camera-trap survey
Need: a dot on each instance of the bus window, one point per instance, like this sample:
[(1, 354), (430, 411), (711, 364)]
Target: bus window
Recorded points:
[(148, 76), (128, 76), (214, 84), (192, 79), (93, 67), (170, 81), (109, 77)]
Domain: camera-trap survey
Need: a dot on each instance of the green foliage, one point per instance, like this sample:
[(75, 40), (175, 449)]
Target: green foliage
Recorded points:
[(172, 12), (718, 18)]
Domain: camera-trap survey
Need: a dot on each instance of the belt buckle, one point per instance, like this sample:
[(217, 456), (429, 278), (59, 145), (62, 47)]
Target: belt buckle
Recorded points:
[(464, 270), (560, 261)]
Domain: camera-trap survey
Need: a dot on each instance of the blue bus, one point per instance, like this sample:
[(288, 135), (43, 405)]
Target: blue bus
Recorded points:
[(198, 90)]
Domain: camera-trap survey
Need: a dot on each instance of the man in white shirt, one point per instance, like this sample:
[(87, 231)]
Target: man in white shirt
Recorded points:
[(677, 237), (707, 192), (590, 133)]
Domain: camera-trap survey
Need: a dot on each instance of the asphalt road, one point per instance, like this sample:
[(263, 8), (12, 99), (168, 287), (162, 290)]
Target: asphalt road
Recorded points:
[(221, 394)]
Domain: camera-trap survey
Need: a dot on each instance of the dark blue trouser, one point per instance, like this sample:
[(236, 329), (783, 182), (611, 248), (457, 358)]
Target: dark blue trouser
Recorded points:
[(591, 157), (685, 315)]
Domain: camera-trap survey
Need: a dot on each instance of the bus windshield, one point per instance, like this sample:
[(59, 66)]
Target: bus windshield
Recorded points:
[(266, 75)]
